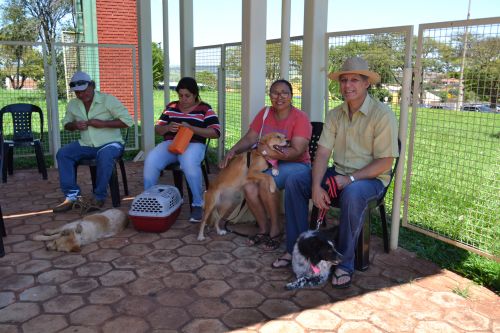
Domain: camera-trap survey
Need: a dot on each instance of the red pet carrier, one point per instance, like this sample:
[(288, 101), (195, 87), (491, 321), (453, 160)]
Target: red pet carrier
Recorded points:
[(156, 209)]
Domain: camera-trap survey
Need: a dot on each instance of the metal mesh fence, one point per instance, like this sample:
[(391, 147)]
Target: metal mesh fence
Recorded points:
[(453, 173)]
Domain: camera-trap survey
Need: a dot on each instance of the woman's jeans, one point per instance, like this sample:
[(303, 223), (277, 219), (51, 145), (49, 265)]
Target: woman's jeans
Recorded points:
[(69, 155), (353, 202), (190, 163)]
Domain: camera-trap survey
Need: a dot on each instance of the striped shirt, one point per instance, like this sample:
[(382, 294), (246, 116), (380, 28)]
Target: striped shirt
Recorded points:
[(201, 116)]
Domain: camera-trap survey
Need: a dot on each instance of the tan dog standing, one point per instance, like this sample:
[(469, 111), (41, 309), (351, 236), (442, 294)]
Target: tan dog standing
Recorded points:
[(232, 178), (70, 237)]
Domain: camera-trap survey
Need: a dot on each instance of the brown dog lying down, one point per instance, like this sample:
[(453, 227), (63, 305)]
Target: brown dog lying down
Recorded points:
[(70, 237), (234, 176)]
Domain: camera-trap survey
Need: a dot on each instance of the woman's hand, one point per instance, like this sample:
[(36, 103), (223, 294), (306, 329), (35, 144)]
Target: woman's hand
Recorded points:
[(173, 127), (320, 198), (229, 156)]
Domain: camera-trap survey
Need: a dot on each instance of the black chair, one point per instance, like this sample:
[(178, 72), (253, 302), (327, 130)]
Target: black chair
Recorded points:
[(178, 175), (114, 187), (362, 251), (22, 136)]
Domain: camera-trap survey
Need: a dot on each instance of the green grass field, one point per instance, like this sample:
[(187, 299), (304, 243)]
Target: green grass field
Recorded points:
[(455, 189)]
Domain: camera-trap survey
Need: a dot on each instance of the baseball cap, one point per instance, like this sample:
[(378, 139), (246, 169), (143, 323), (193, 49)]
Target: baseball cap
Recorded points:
[(80, 81)]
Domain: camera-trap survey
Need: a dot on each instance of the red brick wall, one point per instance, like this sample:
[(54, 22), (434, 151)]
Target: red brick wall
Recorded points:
[(117, 24)]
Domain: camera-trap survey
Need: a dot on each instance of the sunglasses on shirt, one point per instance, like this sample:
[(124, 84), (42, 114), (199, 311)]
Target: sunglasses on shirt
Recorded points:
[(78, 83)]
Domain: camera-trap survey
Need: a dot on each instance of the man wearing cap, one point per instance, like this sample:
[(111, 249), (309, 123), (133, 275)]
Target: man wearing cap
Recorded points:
[(362, 134), (98, 117)]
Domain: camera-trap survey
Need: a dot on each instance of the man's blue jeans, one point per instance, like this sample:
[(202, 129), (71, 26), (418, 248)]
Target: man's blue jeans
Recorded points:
[(70, 154), (353, 201)]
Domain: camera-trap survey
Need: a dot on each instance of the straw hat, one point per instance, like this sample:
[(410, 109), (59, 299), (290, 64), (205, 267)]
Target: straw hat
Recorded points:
[(355, 65)]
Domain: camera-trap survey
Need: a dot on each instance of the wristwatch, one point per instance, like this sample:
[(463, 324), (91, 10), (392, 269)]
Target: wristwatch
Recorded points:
[(351, 177)]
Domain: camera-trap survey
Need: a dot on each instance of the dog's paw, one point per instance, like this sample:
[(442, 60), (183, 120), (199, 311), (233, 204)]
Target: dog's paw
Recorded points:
[(200, 238), (221, 232), (275, 172), (292, 286)]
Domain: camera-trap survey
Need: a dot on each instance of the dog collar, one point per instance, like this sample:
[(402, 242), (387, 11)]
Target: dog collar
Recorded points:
[(315, 269)]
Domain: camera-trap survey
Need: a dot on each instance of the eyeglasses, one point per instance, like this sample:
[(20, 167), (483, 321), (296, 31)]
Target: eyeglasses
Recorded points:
[(78, 83), (275, 94)]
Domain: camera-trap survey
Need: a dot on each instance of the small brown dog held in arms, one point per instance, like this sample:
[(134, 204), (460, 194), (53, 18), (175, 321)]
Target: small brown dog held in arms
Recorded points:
[(70, 237), (234, 176)]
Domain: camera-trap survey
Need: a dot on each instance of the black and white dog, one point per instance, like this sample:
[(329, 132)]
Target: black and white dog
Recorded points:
[(313, 257)]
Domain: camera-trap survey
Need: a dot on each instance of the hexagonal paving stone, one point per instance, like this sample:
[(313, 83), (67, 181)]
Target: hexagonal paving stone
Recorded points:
[(45, 323), (220, 258), (79, 286), (244, 298), (45, 254), (8, 329), (146, 238), (192, 250), (245, 281), (212, 288), (104, 255), (169, 318), (392, 322), (179, 298), (27, 246), (17, 282), (63, 304), (186, 264), (287, 326), (163, 256), (33, 266), (154, 271), (238, 318), (181, 280), (136, 306), (38, 293), (78, 329), (115, 278), (311, 298), (106, 295), (246, 252), (91, 315), (56, 276), (447, 300), (19, 312), (129, 262), (69, 261), (114, 243), (245, 265), (208, 308), (353, 326), (126, 324), (136, 250), (6, 298), (221, 246), (318, 319), (276, 308), (469, 321), (6, 271), (94, 269), (145, 286), (214, 272), (167, 244), (25, 229), (205, 325), (14, 259)]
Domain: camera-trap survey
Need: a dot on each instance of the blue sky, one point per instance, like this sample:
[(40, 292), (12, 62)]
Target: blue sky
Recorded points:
[(219, 21)]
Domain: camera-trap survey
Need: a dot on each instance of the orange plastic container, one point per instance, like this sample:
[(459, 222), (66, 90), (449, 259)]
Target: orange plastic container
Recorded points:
[(181, 140)]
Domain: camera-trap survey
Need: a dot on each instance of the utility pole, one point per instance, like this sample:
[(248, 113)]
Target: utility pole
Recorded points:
[(461, 88)]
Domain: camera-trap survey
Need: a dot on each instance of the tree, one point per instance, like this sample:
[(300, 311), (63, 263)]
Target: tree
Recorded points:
[(50, 14), (18, 62), (208, 79), (157, 64)]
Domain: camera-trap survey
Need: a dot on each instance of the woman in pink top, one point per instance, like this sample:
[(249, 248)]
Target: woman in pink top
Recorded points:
[(284, 118)]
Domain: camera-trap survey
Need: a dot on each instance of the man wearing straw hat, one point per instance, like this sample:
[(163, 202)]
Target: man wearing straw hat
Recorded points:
[(362, 134)]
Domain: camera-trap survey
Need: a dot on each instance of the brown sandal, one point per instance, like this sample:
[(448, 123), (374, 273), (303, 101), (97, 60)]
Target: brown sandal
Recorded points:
[(273, 243), (257, 239)]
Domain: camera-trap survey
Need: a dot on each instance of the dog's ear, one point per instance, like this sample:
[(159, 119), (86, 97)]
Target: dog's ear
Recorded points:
[(79, 229), (65, 232)]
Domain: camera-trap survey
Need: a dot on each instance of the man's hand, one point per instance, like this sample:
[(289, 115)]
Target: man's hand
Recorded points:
[(320, 198), (97, 123), (81, 125), (342, 181)]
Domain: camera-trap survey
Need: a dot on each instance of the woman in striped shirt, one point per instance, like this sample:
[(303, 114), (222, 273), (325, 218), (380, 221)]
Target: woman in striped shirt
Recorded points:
[(189, 111)]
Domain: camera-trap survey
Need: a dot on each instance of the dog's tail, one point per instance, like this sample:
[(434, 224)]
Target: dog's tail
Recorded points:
[(45, 237)]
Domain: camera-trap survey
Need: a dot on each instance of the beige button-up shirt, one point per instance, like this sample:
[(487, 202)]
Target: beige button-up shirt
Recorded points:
[(104, 107), (371, 134)]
